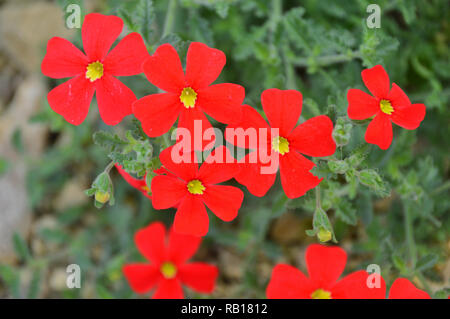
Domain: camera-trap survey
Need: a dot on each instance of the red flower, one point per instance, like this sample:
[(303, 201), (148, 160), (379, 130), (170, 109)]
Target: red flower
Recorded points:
[(192, 188), (402, 288), (325, 265), (387, 104), (312, 138), (94, 71), (168, 269), (137, 183), (188, 94)]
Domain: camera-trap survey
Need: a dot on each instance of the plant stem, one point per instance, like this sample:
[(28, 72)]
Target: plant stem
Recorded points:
[(318, 203), (409, 234), (441, 188), (327, 59), (170, 17), (108, 168), (277, 8)]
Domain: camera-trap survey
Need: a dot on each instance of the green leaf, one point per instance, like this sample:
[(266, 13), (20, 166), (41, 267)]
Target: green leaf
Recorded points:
[(399, 264), (371, 179), (11, 278), (427, 262), (108, 141), (103, 292), (338, 167), (4, 165), (146, 15), (21, 247), (33, 289)]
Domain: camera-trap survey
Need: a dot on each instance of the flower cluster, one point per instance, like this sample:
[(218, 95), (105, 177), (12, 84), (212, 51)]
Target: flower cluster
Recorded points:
[(168, 267), (325, 265), (278, 143)]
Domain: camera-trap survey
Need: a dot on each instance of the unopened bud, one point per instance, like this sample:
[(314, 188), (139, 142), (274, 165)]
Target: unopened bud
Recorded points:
[(102, 197), (324, 235)]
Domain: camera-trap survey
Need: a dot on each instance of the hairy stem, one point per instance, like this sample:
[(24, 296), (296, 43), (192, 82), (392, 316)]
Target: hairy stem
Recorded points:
[(409, 234), (170, 17), (109, 167), (318, 203), (327, 59)]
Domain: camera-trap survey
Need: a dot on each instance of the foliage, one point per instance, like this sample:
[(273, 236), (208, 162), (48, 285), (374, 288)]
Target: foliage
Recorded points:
[(391, 207)]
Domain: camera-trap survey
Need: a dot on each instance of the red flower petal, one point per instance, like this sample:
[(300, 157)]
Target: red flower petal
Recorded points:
[(288, 282), (163, 69), (72, 99), (223, 169), (151, 242), (295, 176), (379, 131), (188, 120), (167, 191), (157, 112), (354, 286), (251, 177), (114, 99), (361, 105), (377, 81), (313, 137), (251, 121), (223, 201), (409, 117), (186, 171), (398, 98), (325, 264), (137, 183), (191, 217), (63, 59), (182, 247), (203, 65), (99, 32), (198, 276), (127, 56), (141, 277), (169, 289), (402, 288), (222, 101), (282, 108)]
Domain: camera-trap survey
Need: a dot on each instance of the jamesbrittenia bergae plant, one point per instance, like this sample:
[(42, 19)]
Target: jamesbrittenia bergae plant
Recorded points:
[(173, 178)]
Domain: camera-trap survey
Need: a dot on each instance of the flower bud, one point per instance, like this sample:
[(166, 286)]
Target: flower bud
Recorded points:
[(324, 235), (102, 197)]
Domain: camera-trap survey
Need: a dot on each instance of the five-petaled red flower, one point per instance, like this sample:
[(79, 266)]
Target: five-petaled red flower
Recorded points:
[(312, 138), (168, 267), (192, 188), (94, 71), (325, 265), (188, 94), (387, 104), (402, 288)]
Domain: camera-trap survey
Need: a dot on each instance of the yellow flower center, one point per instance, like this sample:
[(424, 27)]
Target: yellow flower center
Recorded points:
[(168, 270), (94, 71), (195, 187), (188, 97), (386, 107), (280, 145), (145, 188), (321, 294)]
